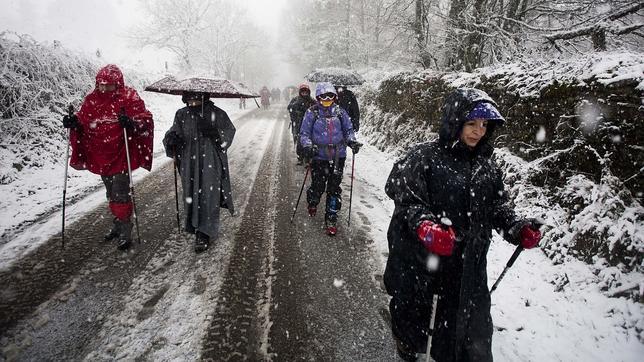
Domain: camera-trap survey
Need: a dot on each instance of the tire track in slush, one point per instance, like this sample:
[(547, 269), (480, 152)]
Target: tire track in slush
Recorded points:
[(238, 323), (72, 290)]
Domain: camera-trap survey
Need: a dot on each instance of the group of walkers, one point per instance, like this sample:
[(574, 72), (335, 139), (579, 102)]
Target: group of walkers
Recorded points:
[(111, 136), (448, 196), (322, 129), (269, 95)]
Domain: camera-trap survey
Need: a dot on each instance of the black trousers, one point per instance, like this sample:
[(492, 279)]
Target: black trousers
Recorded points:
[(326, 176), (117, 187)]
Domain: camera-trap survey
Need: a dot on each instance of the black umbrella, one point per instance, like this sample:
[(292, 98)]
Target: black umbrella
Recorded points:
[(216, 88), (336, 76)]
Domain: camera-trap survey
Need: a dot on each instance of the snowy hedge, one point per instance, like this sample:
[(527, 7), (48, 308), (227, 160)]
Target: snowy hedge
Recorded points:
[(571, 150), (37, 83)]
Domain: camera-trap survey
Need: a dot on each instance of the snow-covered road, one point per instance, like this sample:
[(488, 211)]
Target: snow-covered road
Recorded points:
[(269, 289)]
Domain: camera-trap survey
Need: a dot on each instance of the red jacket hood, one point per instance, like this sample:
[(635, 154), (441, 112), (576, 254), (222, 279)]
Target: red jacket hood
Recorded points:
[(110, 74)]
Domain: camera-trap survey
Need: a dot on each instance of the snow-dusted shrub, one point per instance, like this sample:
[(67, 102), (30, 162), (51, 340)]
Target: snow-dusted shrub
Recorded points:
[(571, 150), (37, 83)]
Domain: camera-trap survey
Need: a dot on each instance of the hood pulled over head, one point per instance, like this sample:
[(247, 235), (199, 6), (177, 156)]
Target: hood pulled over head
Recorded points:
[(465, 104), (110, 74)]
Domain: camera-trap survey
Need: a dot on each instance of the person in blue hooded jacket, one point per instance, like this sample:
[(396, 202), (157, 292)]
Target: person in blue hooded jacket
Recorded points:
[(325, 133)]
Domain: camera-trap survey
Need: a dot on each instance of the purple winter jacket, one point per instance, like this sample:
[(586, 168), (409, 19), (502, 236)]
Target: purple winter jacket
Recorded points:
[(329, 128)]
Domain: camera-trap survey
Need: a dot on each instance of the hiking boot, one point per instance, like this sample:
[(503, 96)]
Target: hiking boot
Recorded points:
[(300, 162), (124, 234), (312, 210), (202, 242), (113, 233), (405, 352), (331, 228)]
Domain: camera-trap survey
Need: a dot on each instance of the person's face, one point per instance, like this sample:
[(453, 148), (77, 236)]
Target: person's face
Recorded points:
[(473, 131), (194, 102), (327, 99), (305, 93), (104, 88)]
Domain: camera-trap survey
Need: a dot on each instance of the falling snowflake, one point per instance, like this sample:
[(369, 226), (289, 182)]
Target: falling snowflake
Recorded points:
[(541, 135)]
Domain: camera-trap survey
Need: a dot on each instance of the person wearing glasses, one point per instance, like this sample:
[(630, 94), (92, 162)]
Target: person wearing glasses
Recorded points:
[(325, 133)]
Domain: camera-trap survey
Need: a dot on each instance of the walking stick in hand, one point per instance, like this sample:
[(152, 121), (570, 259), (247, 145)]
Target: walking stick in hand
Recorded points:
[(430, 333), (308, 167), (70, 112), (129, 171), (514, 257), (353, 163)]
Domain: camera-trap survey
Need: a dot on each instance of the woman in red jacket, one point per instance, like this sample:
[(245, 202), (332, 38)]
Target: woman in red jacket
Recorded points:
[(98, 144)]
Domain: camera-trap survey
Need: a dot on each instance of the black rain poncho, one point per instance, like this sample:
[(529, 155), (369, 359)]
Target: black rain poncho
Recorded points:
[(203, 165), (436, 181)]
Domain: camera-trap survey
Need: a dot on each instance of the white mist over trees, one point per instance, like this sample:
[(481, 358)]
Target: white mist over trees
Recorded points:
[(457, 34), (215, 38)]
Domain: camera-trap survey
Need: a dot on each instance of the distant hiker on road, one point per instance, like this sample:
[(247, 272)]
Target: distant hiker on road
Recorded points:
[(449, 196), (297, 108), (347, 100), (325, 134), (98, 143), (200, 135), (275, 95), (265, 96)]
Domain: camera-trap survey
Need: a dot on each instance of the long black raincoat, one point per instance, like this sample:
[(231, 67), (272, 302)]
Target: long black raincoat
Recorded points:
[(437, 181), (207, 133)]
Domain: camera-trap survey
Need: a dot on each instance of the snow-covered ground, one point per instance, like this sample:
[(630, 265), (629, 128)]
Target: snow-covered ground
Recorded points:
[(30, 208), (541, 311)]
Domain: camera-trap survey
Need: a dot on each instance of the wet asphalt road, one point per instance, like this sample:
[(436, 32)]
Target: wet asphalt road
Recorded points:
[(268, 290)]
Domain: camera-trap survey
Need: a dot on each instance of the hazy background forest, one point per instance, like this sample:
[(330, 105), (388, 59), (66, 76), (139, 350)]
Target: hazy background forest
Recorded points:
[(220, 38)]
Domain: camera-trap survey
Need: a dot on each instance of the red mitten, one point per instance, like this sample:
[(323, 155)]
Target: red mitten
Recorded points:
[(436, 239), (529, 237)]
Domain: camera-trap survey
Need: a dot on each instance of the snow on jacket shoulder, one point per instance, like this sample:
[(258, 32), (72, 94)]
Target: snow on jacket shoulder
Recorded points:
[(99, 145)]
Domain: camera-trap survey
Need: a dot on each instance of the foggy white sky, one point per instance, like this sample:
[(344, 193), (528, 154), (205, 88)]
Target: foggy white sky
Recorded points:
[(88, 25)]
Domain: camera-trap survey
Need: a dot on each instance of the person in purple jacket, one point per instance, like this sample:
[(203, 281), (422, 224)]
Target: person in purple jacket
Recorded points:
[(325, 133)]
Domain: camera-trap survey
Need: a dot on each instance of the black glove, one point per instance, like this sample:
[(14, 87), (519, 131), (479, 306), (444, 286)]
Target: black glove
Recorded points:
[(71, 121), (172, 139), (310, 151), (126, 122), (355, 146)]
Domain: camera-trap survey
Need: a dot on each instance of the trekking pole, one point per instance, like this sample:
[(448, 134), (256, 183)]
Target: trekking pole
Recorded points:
[(70, 112), (430, 333), (308, 167), (514, 257), (176, 188), (129, 171), (353, 162)]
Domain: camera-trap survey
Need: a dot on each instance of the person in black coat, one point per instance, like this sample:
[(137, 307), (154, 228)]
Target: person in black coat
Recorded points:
[(448, 197), (296, 109), (347, 100)]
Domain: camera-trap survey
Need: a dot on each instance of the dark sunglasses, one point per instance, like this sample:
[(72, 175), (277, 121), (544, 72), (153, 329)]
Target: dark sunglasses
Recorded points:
[(327, 96)]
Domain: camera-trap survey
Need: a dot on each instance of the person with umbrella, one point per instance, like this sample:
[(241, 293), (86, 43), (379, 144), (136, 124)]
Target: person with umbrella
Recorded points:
[(199, 139), (325, 133), (296, 109), (449, 196), (347, 100), (99, 145)]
